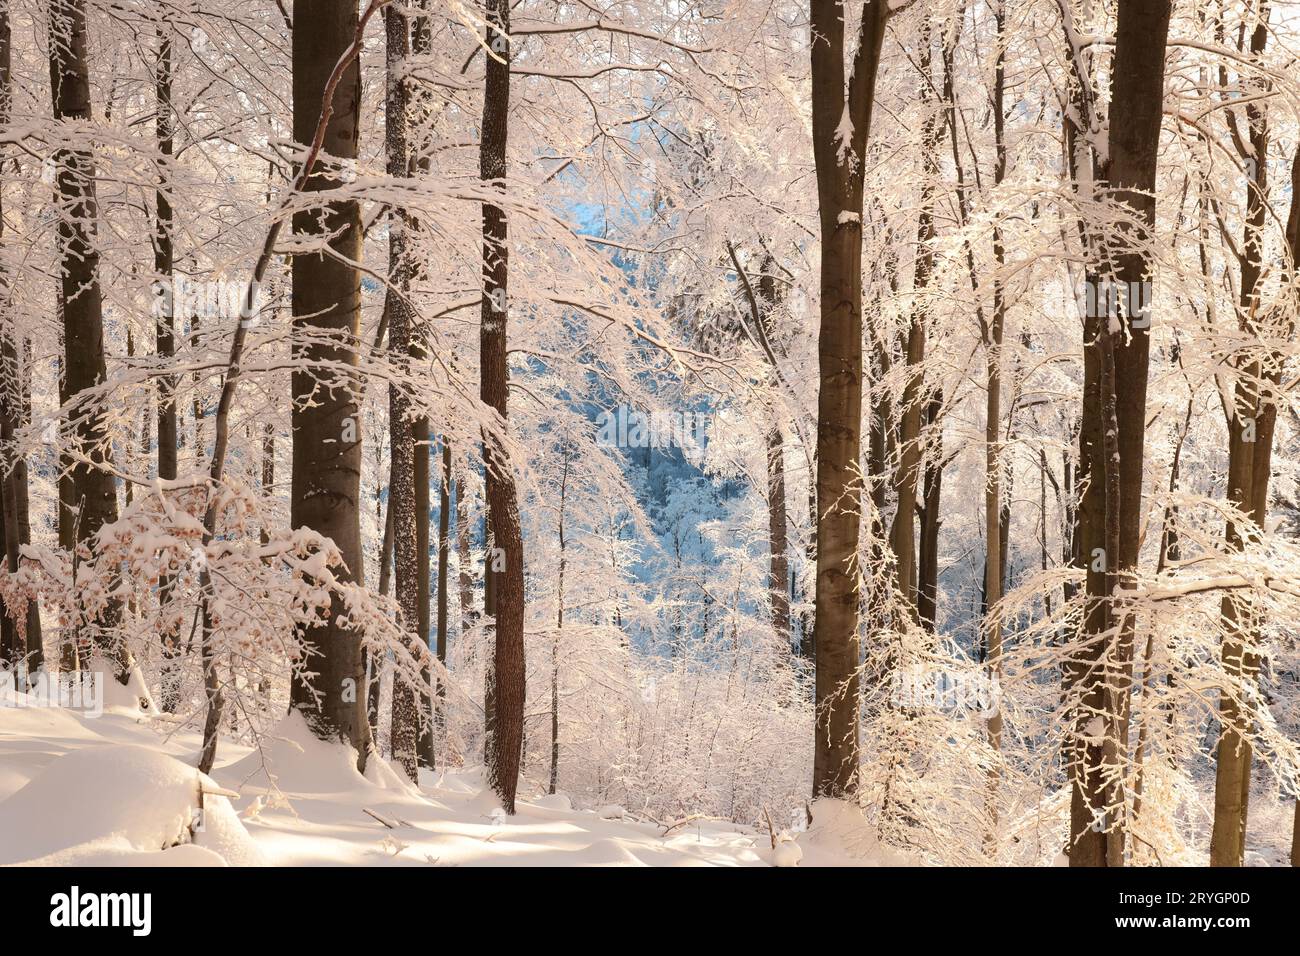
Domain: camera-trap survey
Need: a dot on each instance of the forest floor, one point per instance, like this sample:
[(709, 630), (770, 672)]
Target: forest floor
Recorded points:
[(119, 789)]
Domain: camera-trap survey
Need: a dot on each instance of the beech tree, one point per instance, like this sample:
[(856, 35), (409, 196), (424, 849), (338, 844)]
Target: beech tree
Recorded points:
[(326, 422), (721, 336), (842, 98)]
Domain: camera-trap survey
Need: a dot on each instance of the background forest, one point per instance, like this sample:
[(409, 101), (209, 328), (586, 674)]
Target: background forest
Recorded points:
[(716, 409)]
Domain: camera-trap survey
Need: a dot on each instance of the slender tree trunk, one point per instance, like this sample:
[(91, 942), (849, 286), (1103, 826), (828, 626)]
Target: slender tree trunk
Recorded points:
[(840, 160), (424, 634), (418, 161), (507, 573), (268, 476), (1250, 457), (923, 577), (559, 631), (1098, 824), (11, 650), (927, 583), (375, 664), (464, 571), (165, 335), (403, 482), (444, 561), (994, 528), (326, 420), (93, 488), (778, 582)]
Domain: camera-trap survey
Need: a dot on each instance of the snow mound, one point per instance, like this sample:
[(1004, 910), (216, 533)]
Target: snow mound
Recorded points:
[(554, 801), (131, 699), (99, 805), (840, 832), (293, 760), (787, 852)]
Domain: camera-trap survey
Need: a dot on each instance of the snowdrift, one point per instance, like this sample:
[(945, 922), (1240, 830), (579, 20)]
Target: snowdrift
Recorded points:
[(105, 805)]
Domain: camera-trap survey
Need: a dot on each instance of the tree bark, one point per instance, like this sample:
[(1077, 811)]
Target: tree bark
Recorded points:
[(93, 488), (165, 335), (506, 565), (326, 419), (994, 527), (840, 156), (403, 483), (464, 570), (1098, 826), (559, 630), (927, 582), (444, 561), (778, 582), (1250, 457)]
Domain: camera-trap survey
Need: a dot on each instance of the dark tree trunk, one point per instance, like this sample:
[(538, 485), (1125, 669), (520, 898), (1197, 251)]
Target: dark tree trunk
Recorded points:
[(464, 571), (778, 540), (10, 389), (778, 580), (373, 664), (839, 91), (444, 561), (403, 482), (507, 562), (927, 581), (165, 335), (418, 160), (915, 402), (559, 631), (93, 489), (326, 420), (1250, 459), (1117, 427), (424, 750)]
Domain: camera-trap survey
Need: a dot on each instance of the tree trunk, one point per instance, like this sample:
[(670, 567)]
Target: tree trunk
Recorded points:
[(994, 526), (1098, 826), (418, 161), (165, 336), (403, 481), (444, 560), (1250, 457), (93, 488), (778, 582), (917, 580), (11, 649), (464, 571), (840, 157), (507, 563), (326, 420), (927, 582), (559, 630)]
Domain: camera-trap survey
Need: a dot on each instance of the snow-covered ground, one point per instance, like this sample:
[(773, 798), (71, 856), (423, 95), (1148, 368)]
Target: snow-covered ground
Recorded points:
[(119, 789)]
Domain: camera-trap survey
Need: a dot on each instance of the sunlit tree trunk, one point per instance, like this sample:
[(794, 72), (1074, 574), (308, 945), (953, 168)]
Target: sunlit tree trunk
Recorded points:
[(506, 557), (404, 453), (840, 92), (93, 487), (165, 333), (326, 420), (1250, 456), (1116, 423)]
